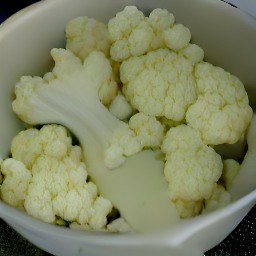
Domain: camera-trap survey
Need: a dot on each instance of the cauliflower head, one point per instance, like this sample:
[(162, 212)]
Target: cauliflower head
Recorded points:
[(160, 84), (222, 101), (51, 181), (192, 168)]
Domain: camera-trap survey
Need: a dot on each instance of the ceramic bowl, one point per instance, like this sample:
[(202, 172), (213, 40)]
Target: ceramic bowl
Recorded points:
[(228, 37)]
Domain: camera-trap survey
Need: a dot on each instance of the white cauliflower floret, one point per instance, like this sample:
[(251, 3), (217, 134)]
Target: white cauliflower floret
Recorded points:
[(133, 34), (193, 53), (188, 209), (148, 130), (230, 170), (120, 107), (101, 208), (142, 131), (159, 84), (192, 168), (84, 35), (119, 28), (16, 178), (222, 101), (160, 20), (53, 184), (219, 199), (177, 37), (29, 144), (119, 225), (122, 143)]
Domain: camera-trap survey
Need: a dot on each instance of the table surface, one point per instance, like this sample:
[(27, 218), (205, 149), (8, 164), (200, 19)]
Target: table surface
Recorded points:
[(241, 242)]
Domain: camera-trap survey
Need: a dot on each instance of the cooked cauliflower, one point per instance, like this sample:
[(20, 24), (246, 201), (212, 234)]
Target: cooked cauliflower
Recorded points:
[(135, 86), (160, 84), (50, 182), (142, 131), (192, 169), (193, 53), (177, 37), (219, 199), (120, 107), (13, 190), (222, 101), (133, 34), (188, 209), (52, 141), (84, 35)]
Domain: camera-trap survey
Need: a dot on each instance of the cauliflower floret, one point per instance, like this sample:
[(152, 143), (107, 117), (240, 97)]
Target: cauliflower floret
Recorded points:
[(219, 199), (230, 170), (16, 178), (133, 34), (101, 208), (222, 100), (187, 209), (142, 131), (192, 168), (177, 37), (120, 107), (53, 184), (193, 53), (148, 130), (84, 35), (159, 84), (119, 225), (160, 20), (50, 140), (120, 28)]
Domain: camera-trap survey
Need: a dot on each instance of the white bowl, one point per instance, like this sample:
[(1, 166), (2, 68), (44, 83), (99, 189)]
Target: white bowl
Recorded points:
[(228, 37)]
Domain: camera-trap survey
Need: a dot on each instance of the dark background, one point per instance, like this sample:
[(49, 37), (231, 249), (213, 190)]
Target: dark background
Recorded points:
[(241, 242)]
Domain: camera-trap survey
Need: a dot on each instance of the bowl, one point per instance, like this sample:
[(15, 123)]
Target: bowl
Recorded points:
[(228, 37)]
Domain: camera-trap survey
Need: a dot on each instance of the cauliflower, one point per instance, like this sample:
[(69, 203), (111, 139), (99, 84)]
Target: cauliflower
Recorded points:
[(49, 140), (221, 102), (70, 95), (192, 168), (13, 190), (141, 132), (84, 35), (133, 34), (160, 83), (141, 100), (188, 209), (51, 182), (219, 199), (121, 108)]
